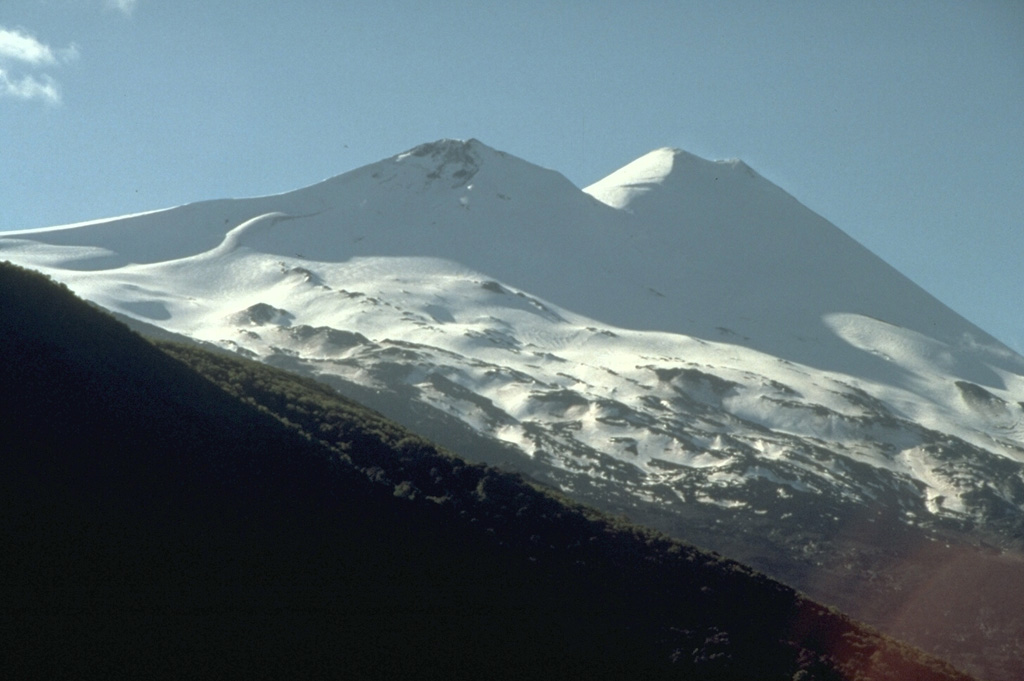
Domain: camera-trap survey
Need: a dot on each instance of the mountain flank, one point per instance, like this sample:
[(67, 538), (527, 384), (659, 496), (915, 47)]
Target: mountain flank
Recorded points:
[(171, 513)]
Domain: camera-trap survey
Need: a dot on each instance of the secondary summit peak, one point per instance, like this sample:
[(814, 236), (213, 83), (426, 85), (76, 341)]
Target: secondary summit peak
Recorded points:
[(664, 167)]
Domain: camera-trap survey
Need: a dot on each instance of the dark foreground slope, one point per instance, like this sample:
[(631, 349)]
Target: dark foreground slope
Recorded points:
[(248, 524)]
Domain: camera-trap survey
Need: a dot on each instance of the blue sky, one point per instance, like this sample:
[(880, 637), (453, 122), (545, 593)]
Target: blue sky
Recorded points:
[(900, 122)]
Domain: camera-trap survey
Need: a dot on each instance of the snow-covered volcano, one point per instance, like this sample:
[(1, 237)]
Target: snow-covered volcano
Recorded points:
[(683, 330), (682, 341)]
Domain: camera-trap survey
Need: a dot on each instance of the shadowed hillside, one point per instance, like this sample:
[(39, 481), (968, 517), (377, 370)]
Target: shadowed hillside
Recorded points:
[(199, 516)]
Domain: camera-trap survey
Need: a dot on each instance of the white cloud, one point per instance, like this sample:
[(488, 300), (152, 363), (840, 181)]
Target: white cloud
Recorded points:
[(23, 47), (125, 6), (20, 51)]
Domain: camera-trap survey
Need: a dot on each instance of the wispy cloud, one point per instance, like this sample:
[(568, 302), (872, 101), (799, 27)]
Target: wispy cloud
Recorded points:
[(29, 87), (124, 6), (19, 51), (69, 53)]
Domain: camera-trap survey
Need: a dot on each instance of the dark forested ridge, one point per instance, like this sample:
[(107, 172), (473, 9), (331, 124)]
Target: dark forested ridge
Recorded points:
[(166, 512)]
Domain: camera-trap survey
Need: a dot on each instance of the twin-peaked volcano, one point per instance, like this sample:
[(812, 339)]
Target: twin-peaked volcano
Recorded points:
[(673, 243), (683, 341)]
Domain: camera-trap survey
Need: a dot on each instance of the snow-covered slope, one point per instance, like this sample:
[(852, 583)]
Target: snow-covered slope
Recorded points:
[(682, 333)]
